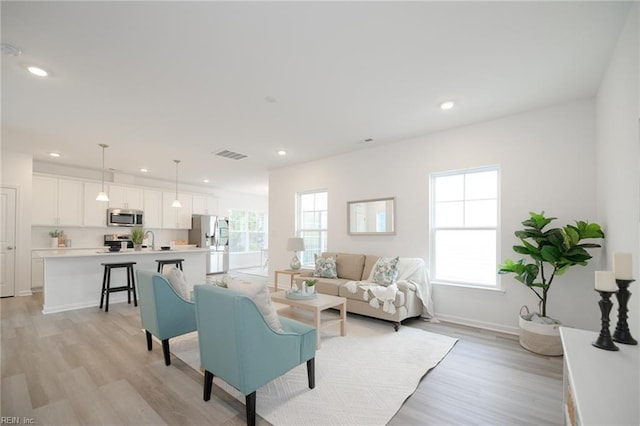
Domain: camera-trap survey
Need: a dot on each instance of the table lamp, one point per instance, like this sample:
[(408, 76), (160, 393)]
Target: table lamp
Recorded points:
[(295, 245)]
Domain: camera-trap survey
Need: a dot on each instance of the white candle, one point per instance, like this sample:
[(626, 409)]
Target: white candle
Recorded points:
[(622, 266), (605, 281)]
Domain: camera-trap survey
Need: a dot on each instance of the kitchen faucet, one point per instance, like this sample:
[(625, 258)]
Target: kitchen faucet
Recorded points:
[(153, 239)]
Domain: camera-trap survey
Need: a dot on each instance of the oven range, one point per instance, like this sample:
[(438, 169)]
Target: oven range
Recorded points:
[(117, 240)]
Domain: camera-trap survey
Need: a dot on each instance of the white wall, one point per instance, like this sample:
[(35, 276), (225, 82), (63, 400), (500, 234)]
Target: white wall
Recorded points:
[(618, 156), (17, 173), (547, 161)]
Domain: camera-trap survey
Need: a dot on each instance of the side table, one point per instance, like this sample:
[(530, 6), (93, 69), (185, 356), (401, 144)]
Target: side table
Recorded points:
[(292, 273)]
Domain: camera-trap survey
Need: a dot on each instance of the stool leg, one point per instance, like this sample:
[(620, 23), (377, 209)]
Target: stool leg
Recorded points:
[(165, 352), (133, 287), (159, 267), (180, 265), (104, 283), (128, 285), (106, 307), (149, 341)]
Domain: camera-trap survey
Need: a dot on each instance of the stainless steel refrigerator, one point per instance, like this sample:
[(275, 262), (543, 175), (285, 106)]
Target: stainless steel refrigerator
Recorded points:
[(212, 232)]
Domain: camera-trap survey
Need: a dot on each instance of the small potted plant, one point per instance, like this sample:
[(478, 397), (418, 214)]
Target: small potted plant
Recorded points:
[(309, 286), (552, 252), (137, 236), (55, 234)]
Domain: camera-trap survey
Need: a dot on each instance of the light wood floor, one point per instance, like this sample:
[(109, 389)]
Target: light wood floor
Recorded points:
[(86, 367)]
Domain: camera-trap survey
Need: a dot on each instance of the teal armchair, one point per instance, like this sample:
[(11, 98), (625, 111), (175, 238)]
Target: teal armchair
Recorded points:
[(237, 345), (163, 312)]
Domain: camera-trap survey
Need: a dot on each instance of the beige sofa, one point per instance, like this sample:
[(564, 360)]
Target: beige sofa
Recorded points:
[(412, 299)]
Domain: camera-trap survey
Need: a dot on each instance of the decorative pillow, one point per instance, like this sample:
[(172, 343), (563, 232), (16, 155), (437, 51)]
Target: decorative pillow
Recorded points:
[(325, 267), (260, 295), (385, 271), (177, 280)]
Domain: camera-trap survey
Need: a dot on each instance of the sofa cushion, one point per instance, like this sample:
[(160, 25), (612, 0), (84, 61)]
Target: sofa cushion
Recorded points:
[(386, 271), (349, 266), (329, 286), (325, 267), (369, 263)]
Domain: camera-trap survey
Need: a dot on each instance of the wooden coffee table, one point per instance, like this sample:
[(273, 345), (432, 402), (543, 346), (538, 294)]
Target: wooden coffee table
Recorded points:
[(316, 306)]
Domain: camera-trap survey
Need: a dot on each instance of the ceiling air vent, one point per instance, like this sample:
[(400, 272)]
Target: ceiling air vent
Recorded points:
[(230, 154)]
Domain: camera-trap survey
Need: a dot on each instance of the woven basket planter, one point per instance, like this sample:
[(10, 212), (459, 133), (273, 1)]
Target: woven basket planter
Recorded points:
[(543, 339)]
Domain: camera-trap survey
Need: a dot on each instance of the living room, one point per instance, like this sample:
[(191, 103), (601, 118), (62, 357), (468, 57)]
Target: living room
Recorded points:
[(573, 158)]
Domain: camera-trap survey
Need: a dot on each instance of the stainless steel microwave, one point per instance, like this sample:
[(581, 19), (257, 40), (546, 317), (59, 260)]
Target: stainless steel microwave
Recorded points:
[(124, 217)]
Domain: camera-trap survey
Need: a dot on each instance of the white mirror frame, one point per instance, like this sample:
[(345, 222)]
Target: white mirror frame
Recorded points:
[(363, 212)]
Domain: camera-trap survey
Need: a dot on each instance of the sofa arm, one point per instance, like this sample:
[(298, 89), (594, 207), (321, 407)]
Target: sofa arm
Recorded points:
[(406, 286)]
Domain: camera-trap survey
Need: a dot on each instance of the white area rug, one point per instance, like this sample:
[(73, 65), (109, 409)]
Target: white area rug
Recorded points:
[(361, 379)]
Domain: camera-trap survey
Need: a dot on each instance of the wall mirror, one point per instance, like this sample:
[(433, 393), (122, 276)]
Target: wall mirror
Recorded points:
[(371, 217)]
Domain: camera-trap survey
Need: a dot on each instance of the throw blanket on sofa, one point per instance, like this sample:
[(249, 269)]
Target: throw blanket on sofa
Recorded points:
[(379, 293), (410, 269)]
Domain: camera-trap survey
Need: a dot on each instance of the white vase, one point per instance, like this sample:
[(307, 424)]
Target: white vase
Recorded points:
[(54, 242)]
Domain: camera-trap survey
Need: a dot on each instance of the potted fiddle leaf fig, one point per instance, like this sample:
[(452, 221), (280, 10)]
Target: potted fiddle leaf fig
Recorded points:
[(551, 252)]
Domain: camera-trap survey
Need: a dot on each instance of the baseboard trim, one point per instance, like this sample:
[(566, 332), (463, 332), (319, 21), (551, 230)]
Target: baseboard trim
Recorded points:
[(501, 328)]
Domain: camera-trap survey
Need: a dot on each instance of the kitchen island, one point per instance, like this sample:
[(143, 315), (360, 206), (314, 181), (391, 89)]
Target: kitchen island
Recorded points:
[(73, 279)]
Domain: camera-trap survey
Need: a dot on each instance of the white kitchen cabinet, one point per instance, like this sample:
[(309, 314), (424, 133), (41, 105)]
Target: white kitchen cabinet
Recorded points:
[(57, 201), (152, 209), (173, 217), (205, 204), (125, 197), (95, 212)]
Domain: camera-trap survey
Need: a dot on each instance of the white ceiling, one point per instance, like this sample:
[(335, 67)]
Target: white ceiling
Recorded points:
[(159, 81)]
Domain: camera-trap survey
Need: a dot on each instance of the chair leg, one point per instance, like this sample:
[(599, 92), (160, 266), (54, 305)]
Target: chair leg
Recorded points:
[(250, 401), (165, 351), (208, 382), (311, 373), (149, 344), (396, 325)]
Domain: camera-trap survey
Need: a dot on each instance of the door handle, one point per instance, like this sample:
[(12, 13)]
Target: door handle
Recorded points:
[(9, 248)]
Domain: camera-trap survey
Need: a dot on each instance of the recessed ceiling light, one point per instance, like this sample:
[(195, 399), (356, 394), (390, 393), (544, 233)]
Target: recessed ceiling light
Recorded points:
[(38, 71), (270, 99), (205, 180), (144, 170), (447, 105), (282, 152), (54, 154)]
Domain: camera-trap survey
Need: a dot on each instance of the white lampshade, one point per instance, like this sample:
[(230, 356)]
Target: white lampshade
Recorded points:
[(176, 203), (295, 244), (102, 197)]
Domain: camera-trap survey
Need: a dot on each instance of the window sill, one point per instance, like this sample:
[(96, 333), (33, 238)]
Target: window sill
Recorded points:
[(468, 286)]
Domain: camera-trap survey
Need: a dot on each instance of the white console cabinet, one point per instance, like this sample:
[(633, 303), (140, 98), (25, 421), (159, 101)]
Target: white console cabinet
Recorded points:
[(600, 387)]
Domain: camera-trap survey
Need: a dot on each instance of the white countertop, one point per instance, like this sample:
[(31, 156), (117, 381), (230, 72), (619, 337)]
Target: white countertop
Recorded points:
[(103, 251)]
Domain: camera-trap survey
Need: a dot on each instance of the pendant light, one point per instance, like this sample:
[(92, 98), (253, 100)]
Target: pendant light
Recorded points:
[(176, 203), (102, 196)]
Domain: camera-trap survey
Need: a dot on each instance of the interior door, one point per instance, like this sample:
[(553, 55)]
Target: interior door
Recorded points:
[(7, 241)]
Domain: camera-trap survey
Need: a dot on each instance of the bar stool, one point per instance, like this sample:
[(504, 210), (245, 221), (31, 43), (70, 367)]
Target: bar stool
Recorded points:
[(162, 262), (106, 283)]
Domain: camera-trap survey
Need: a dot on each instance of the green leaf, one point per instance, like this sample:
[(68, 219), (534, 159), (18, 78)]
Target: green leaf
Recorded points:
[(551, 254)]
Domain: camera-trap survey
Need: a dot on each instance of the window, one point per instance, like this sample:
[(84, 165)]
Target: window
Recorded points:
[(247, 231), (464, 227), (311, 224)]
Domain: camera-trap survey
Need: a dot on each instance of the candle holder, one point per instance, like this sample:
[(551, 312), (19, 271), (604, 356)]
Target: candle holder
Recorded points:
[(622, 333), (604, 339)]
